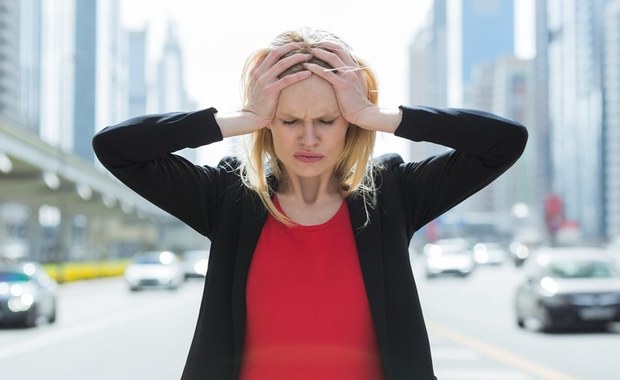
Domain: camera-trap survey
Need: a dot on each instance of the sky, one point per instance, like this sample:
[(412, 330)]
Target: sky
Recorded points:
[(217, 36)]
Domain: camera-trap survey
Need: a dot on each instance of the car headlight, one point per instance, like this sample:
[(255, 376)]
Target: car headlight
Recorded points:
[(21, 303)]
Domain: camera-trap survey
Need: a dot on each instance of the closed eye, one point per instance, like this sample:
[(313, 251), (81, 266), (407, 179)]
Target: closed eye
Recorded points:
[(327, 122), (289, 122)]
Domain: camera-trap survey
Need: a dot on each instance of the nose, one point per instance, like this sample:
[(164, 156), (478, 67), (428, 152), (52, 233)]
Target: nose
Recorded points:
[(308, 135)]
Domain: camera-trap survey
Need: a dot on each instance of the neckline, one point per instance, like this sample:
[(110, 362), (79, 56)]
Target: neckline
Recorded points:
[(315, 227)]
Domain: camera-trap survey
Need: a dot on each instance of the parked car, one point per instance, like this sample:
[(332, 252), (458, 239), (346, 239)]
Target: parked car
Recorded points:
[(27, 294), (567, 287), (154, 269), (195, 263), (448, 257)]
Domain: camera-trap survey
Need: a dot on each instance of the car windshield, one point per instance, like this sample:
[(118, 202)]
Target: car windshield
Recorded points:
[(582, 269), (13, 277)]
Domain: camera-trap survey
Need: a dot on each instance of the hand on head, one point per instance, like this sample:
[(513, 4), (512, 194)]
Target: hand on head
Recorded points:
[(346, 78), (264, 84), (293, 62)]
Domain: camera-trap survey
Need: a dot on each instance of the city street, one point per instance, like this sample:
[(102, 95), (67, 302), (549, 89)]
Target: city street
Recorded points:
[(105, 332)]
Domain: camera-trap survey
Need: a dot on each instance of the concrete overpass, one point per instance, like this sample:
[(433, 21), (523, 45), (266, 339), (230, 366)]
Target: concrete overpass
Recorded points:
[(34, 173)]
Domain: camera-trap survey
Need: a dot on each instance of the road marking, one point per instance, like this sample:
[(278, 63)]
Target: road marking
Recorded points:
[(497, 353), (54, 336)]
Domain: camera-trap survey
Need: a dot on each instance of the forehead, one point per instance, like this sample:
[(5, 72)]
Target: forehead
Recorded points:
[(308, 97)]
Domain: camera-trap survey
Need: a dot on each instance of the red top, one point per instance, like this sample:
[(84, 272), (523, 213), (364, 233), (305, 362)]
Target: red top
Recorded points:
[(307, 311)]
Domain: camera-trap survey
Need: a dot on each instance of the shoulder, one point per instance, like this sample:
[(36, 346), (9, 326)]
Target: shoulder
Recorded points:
[(387, 161), (229, 164)]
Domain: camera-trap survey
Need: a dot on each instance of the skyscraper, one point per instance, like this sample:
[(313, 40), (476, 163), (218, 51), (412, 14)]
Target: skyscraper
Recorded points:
[(574, 29), (137, 73), (611, 72), (9, 59), (487, 33), (30, 63), (85, 101)]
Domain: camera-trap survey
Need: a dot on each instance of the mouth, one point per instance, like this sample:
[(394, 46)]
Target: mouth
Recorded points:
[(308, 157)]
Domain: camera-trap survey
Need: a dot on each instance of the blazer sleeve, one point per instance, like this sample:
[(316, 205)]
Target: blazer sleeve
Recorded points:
[(483, 146), (140, 153)]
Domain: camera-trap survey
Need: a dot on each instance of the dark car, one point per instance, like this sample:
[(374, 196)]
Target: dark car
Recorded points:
[(568, 287), (27, 294)]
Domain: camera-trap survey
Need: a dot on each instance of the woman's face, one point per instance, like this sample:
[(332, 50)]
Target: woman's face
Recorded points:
[(308, 129)]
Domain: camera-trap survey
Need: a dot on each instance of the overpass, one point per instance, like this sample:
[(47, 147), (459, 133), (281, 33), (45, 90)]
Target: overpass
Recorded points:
[(34, 173)]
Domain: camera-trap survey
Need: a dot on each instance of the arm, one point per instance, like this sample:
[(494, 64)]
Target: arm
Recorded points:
[(484, 146), (139, 152)]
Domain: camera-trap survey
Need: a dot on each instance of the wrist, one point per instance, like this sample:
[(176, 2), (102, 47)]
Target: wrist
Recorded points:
[(381, 119), (238, 123)]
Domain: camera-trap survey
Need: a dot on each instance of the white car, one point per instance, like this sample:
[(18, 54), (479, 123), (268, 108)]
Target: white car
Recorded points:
[(448, 257), (161, 269)]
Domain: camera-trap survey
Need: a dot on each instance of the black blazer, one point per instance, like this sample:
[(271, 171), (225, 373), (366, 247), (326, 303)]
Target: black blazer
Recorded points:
[(214, 202)]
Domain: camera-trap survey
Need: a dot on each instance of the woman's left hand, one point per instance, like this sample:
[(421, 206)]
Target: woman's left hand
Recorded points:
[(347, 80), (351, 89)]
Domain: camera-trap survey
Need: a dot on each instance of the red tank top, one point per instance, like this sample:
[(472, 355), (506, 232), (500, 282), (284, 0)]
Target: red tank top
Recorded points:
[(307, 311)]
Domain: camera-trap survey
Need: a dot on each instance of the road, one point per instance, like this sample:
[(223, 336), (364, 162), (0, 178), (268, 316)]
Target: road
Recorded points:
[(105, 332), (474, 335)]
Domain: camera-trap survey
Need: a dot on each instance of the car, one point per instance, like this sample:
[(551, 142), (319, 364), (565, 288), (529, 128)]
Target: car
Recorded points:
[(28, 294), (154, 269), (490, 253), (195, 263), (448, 257), (566, 287)]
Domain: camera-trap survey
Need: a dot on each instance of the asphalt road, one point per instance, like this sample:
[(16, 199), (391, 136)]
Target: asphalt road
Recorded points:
[(105, 332), (474, 335)]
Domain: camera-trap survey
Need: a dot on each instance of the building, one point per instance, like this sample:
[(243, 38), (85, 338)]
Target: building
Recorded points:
[(138, 88), (487, 33), (10, 84), (575, 99), (611, 89)]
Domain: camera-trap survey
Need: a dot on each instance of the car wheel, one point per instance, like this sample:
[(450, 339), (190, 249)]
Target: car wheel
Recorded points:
[(30, 320), (52, 316), (544, 320)]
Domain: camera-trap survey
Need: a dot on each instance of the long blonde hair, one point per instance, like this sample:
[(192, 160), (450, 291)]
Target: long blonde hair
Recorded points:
[(353, 169)]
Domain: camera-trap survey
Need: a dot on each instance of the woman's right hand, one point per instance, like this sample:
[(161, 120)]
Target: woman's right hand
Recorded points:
[(263, 90), (265, 84)]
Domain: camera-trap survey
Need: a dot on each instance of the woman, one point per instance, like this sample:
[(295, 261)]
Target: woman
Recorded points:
[(309, 274)]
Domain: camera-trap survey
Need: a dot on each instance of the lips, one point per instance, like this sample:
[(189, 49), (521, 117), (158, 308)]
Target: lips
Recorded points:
[(308, 157)]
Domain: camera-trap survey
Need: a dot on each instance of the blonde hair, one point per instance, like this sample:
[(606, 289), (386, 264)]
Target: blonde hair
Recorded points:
[(353, 169)]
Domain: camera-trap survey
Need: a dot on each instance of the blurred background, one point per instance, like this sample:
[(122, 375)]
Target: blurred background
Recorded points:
[(68, 68)]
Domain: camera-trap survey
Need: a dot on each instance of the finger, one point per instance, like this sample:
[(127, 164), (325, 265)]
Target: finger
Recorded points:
[(276, 55), (291, 79), (329, 75), (288, 62), (337, 49)]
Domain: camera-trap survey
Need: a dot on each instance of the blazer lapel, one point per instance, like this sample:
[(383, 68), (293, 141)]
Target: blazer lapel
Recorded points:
[(253, 216), (370, 251)]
